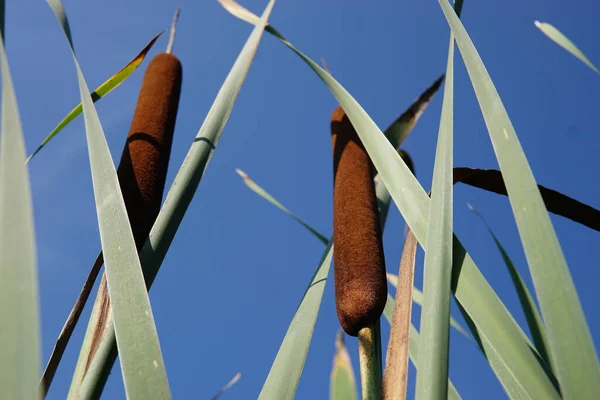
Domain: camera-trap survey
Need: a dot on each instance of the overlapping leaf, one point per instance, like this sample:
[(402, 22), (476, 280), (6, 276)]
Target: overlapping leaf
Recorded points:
[(571, 346), (141, 359), (90, 375)]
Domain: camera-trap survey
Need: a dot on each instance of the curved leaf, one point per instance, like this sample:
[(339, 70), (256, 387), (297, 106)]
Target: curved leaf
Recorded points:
[(141, 359), (108, 86), (571, 345), (557, 37), (90, 375)]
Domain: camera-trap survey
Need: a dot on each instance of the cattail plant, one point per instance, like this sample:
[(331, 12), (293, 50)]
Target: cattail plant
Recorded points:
[(142, 173)]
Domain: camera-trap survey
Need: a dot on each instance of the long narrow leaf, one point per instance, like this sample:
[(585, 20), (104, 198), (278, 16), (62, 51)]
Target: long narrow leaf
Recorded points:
[(413, 345), (142, 365), (557, 203), (532, 315), (507, 348), (285, 372), (108, 86), (571, 346), (432, 379), (265, 195), (90, 375), (557, 37), (342, 383), (19, 308)]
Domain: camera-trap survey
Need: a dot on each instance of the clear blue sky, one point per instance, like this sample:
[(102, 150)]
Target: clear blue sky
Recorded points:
[(238, 267)]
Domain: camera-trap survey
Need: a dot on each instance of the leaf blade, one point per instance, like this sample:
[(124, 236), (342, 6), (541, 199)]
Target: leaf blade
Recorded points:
[(89, 378), (105, 88), (557, 37), (19, 309), (141, 359), (571, 345), (283, 378), (432, 379)]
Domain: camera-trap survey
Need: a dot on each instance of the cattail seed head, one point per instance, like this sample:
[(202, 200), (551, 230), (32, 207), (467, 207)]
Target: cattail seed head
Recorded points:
[(359, 266), (143, 168)]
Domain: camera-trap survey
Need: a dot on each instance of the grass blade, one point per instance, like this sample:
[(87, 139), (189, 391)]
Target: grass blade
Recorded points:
[(265, 195), (286, 370), (557, 37), (533, 317), (557, 203), (571, 346), (108, 86), (19, 304), (395, 377), (342, 383), (506, 346), (142, 365), (90, 375), (432, 379), (413, 345)]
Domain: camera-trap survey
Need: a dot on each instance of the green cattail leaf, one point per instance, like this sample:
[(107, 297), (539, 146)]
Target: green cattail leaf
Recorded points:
[(283, 378), (532, 315), (417, 298), (141, 359), (90, 375), (557, 37), (108, 86), (342, 383), (19, 303), (571, 345), (413, 345), (265, 195), (432, 378), (507, 348)]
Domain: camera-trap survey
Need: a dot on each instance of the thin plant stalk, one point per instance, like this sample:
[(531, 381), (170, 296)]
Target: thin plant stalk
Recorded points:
[(370, 372)]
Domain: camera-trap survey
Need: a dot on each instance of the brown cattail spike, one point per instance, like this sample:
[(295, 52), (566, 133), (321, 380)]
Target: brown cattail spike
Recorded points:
[(143, 168), (359, 266)]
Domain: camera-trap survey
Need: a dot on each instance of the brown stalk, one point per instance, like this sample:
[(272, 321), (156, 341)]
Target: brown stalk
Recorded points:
[(395, 376), (557, 203)]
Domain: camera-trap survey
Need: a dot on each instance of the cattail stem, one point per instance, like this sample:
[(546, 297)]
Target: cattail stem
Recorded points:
[(172, 34), (370, 368)]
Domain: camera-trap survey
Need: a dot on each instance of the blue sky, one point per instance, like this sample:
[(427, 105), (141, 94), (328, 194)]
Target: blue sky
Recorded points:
[(238, 267)]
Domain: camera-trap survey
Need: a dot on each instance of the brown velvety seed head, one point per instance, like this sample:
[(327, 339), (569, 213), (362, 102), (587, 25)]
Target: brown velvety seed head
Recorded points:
[(143, 168), (359, 265)]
